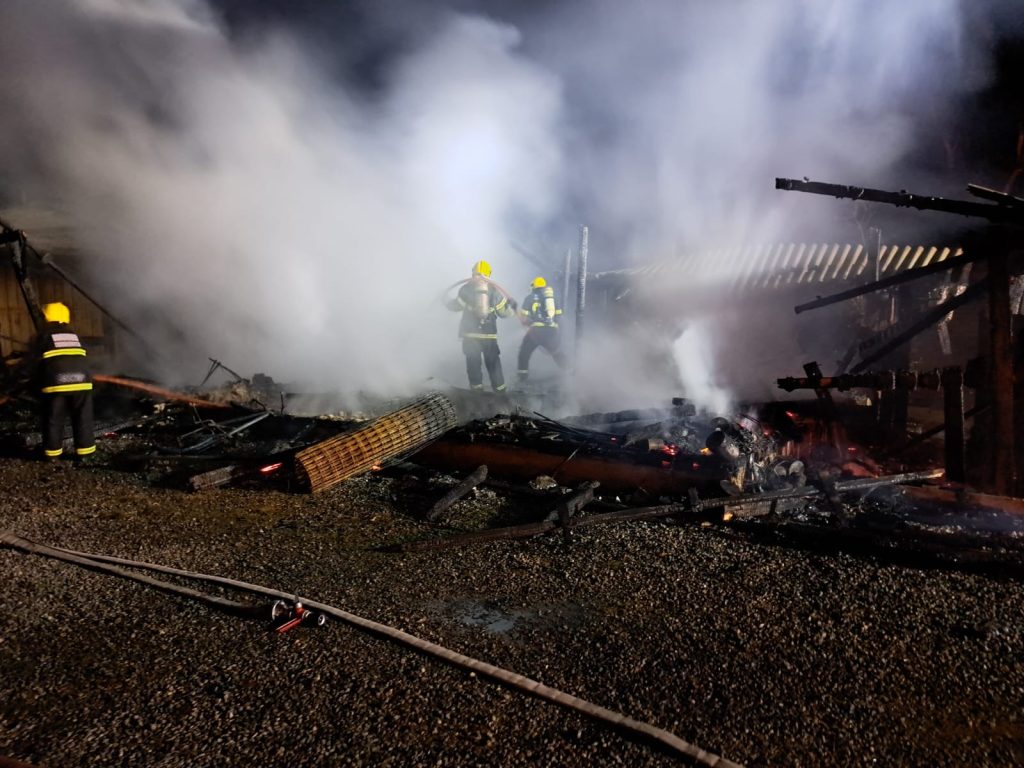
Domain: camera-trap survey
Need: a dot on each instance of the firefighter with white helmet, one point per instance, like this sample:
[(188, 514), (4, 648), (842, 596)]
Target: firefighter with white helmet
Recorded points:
[(481, 303), (540, 314)]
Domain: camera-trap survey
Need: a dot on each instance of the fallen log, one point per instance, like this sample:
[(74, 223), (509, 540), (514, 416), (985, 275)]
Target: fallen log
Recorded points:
[(470, 482)]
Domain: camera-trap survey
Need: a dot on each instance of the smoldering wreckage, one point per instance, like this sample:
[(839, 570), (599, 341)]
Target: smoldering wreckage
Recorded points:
[(855, 469)]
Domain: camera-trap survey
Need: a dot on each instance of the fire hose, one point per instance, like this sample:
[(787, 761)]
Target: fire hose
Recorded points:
[(593, 711)]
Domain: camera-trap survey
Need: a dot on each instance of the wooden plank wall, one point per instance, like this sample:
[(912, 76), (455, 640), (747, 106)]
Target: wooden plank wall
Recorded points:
[(14, 318)]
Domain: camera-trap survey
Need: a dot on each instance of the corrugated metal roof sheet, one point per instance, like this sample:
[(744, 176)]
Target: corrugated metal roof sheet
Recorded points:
[(764, 267)]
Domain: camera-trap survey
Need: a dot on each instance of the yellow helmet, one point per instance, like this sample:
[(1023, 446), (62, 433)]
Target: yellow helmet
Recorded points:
[(538, 282), (56, 313), (482, 268)]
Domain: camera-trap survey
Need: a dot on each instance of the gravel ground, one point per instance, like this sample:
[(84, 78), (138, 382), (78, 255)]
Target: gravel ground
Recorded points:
[(768, 655)]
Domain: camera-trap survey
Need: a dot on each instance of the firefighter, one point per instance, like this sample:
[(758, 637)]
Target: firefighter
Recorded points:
[(539, 314), (481, 304), (65, 384)]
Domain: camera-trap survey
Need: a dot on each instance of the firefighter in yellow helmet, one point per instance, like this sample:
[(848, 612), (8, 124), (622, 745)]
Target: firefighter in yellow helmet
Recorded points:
[(481, 304), (65, 385), (540, 315)]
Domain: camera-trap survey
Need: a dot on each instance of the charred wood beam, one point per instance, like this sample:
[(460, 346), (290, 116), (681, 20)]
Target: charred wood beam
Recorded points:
[(902, 277), (18, 241), (470, 482), (524, 463), (544, 526), (873, 341), (581, 294), (681, 410), (656, 512), (974, 375), (1001, 372), (995, 195), (925, 321), (216, 478), (928, 434), (995, 213), (572, 506), (47, 259), (19, 248), (566, 279), (806, 492)]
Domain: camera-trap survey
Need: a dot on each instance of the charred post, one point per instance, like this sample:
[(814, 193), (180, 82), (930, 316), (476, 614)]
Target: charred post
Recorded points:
[(581, 292), (953, 410), (1001, 372)]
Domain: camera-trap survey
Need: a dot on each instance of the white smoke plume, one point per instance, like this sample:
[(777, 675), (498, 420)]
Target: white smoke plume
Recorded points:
[(231, 189), (270, 216)]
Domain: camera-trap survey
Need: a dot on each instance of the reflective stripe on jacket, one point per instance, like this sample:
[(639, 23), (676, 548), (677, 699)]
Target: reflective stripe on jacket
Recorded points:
[(62, 360), (539, 308)]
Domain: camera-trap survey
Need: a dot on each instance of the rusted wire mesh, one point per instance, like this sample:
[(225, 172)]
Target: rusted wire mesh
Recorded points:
[(394, 434)]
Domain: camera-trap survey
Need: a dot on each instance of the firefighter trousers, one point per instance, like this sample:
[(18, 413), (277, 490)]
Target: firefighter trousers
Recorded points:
[(539, 336), (56, 409), (486, 350)]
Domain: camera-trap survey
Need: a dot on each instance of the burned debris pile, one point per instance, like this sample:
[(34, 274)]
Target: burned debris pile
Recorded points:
[(777, 465)]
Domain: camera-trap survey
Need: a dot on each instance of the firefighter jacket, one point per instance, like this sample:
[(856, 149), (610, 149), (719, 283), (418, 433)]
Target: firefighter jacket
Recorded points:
[(539, 308), (60, 360), (481, 305)]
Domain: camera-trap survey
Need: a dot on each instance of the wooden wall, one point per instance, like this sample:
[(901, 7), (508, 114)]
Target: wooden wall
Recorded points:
[(16, 323)]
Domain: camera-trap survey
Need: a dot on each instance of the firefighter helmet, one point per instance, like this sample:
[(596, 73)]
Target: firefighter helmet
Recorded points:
[(538, 282), (56, 313), (482, 268)]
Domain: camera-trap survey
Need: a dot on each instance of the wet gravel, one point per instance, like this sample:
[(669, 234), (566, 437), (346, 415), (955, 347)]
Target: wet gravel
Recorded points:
[(768, 655)]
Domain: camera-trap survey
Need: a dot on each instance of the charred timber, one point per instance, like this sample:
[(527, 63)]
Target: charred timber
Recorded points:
[(523, 463), (925, 321), (995, 195), (887, 282), (664, 510), (572, 506), (884, 381), (470, 482), (1003, 214)]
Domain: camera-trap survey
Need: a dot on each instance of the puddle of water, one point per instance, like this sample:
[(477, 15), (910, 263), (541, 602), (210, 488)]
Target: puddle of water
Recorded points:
[(494, 619)]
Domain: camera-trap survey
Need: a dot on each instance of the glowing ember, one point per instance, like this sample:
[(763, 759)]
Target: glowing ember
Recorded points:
[(271, 468)]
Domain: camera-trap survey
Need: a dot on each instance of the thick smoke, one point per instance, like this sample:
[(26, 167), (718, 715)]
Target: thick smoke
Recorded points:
[(690, 110), (235, 197), (269, 216)]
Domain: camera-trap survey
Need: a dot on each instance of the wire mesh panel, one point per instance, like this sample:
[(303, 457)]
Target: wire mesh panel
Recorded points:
[(398, 433)]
